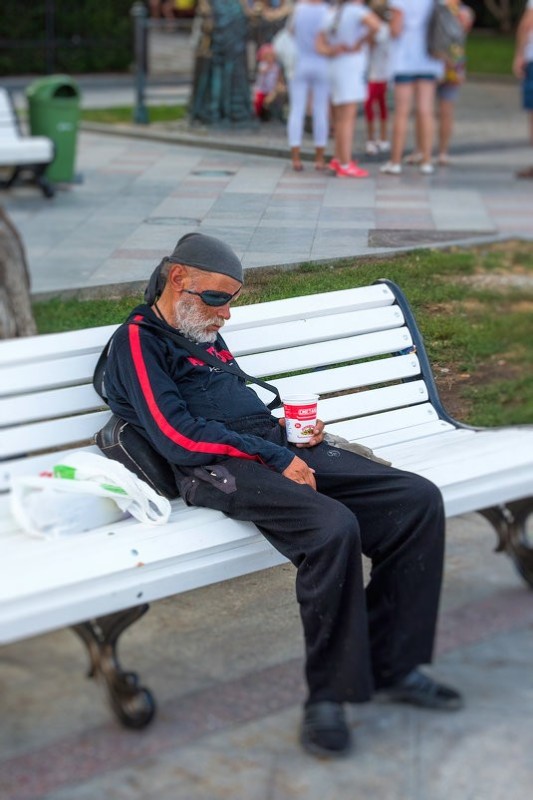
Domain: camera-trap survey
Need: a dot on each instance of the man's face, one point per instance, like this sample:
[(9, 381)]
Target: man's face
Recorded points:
[(197, 320)]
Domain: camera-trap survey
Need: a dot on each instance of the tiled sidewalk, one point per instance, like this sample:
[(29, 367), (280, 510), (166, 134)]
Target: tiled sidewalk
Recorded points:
[(225, 665), (143, 189), (139, 196)]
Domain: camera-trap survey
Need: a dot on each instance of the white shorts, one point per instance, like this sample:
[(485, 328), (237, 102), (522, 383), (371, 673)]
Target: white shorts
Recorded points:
[(348, 79)]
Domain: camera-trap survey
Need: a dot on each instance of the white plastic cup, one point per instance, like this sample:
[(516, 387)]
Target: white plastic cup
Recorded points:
[(300, 416)]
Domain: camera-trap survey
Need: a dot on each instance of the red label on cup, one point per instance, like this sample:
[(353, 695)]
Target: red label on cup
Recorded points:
[(301, 413)]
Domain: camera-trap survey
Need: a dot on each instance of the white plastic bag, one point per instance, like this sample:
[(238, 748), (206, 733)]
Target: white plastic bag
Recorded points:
[(85, 491)]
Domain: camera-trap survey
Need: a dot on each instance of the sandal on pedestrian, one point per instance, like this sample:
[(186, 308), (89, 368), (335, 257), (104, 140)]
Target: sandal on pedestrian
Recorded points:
[(525, 173), (297, 166), (413, 158)]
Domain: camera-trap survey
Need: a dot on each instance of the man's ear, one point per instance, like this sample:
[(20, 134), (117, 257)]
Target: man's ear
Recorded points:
[(176, 277)]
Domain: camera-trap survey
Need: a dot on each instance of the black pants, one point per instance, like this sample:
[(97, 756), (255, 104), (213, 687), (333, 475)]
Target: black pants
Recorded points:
[(357, 639)]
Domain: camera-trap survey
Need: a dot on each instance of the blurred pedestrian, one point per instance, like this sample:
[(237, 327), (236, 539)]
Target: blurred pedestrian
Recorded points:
[(344, 39), (269, 87), (523, 69), (415, 75), (378, 78), (447, 92), (310, 82)]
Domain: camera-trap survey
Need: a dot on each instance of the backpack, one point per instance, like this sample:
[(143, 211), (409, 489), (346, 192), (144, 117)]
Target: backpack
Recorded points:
[(446, 35)]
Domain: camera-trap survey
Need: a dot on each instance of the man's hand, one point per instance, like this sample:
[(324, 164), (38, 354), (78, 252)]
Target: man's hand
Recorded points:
[(299, 472), (316, 438)]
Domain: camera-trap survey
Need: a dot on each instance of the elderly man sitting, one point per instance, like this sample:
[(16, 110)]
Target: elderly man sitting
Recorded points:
[(321, 506)]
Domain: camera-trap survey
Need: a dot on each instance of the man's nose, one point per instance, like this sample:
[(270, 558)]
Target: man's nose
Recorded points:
[(224, 311)]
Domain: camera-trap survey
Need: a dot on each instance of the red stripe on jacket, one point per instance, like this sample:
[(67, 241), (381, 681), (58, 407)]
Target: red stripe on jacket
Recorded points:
[(161, 421)]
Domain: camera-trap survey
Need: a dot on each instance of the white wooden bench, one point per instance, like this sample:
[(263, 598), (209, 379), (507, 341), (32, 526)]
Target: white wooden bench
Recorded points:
[(359, 348), (22, 154)]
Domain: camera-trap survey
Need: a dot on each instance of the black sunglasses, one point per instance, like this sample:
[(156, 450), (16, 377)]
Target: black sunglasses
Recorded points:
[(212, 298)]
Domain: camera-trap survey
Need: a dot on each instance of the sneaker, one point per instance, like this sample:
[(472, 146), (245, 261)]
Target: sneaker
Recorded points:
[(427, 169), (372, 148), (324, 731), (391, 169), (334, 164), (383, 147), (351, 171), (419, 689)]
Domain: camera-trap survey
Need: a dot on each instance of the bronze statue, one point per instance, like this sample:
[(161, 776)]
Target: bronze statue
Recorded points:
[(221, 92), (221, 87)]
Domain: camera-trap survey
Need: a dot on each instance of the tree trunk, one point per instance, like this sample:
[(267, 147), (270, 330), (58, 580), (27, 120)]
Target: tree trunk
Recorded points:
[(16, 317), (502, 12)]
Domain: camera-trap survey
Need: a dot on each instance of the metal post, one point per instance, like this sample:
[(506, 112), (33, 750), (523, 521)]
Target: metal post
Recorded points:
[(139, 13), (49, 36)]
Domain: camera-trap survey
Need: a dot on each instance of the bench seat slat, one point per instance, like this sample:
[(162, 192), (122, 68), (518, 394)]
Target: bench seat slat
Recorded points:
[(445, 457), (379, 440)]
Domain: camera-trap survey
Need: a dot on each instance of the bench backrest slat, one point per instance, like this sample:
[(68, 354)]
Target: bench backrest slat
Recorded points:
[(47, 405), (356, 429), (320, 354), (315, 329), (37, 436), (366, 373), (358, 404)]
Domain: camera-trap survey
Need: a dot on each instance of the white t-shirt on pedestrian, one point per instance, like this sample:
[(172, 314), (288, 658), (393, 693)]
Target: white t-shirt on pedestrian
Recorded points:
[(344, 25), (379, 65), (409, 54)]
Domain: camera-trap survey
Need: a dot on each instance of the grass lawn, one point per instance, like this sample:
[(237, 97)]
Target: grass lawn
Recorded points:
[(474, 308), (124, 114), (489, 53)]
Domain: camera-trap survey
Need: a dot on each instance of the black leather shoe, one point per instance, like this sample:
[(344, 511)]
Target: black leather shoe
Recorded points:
[(324, 730), (419, 689)]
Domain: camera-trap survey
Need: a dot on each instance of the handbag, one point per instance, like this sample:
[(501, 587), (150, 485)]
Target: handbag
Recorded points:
[(446, 35), (120, 441)]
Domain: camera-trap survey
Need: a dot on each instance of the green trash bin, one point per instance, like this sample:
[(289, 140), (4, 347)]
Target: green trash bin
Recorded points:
[(54, 111)]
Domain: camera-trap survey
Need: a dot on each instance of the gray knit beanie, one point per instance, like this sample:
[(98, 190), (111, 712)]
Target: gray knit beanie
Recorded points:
[(200, 251)]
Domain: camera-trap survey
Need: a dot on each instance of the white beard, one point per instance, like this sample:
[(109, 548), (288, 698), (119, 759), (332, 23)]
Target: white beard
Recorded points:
[(189, 320)]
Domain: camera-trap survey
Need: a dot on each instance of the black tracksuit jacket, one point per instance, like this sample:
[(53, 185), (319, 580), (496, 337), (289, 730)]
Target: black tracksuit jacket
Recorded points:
[(185, 407)]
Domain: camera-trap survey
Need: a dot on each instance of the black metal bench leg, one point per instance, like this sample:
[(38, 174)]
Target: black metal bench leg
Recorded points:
[(510, 522), (42, 181), (134, 705)]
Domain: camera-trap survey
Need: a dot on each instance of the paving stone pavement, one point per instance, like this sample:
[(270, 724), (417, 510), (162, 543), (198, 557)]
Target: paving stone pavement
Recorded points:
[(142, 189), (225, 662)]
